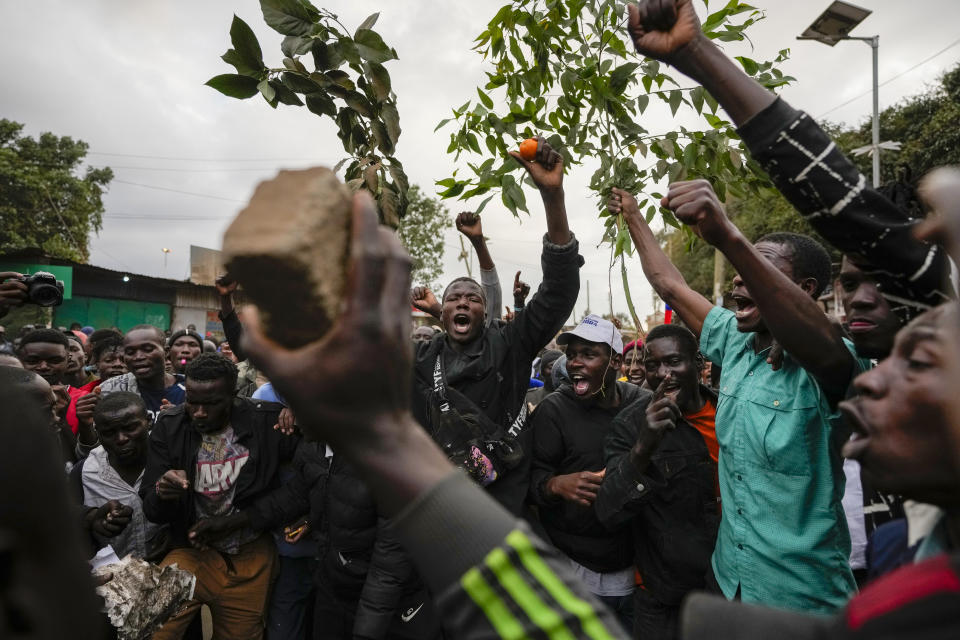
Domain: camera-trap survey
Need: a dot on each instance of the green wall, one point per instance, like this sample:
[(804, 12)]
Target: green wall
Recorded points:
[(103, 313)]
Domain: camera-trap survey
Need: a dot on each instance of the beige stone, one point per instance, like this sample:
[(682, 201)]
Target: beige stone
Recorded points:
[(288, 250)]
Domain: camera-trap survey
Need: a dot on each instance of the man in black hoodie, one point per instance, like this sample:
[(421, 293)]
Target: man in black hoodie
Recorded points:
[(470, 381), (569, 429)]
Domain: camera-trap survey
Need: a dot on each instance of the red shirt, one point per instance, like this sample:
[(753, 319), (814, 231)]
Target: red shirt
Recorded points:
[(75, 394)]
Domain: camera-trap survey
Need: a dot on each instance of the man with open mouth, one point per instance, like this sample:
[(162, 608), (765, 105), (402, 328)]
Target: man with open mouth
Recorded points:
[(569, 429), (144, 356), (470, 381), (901, 427)]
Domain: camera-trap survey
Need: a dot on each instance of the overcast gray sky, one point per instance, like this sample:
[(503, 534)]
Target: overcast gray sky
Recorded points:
[(127, 77)]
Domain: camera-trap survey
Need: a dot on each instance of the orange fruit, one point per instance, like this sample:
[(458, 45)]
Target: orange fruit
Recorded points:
[(528, 149)]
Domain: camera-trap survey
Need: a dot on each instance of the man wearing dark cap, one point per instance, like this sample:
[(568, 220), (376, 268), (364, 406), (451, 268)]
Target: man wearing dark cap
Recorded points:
[(182, 347)]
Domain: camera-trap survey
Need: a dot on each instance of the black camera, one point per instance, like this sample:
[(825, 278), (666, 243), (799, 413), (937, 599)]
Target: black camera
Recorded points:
[(43, 289)]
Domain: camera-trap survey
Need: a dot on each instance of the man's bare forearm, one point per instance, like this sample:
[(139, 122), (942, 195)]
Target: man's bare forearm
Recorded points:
[(483, 253), (665, 278), (741, 96), (792, 316), (554, 203)]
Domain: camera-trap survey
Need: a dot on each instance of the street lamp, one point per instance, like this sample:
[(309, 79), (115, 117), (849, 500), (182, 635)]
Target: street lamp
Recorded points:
[(831, 27), (166, 252)]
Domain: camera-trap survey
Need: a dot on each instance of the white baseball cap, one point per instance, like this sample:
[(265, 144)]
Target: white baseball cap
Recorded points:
[(593, 328)]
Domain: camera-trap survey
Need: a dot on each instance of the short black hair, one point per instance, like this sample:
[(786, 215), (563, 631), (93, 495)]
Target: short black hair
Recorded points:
[(684, 336), (212, 366), (161, 339), (809, 260), (101, 334), (51, 336), (483, 293), (72, 336), (107, 343), (15, 376), (117, 401)]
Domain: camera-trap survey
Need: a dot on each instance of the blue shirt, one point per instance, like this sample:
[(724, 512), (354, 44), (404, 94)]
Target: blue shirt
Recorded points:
[(783, 537)]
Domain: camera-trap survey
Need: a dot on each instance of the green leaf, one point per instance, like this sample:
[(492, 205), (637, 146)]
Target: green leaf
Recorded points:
[(379, 79), (289, 17), (442, 123), (749, 65), (234, 85), (381, 136), (391, 118), (359, 103), (696, 97), (267, 91), (620, 76), (321, 104), (690, 155), (676, 97), (642, 101), (482, 204), (233, 58), (371, 46), (245, 44), (326, 56), (296, 82), (295, 46), (348, 49), (285, 95), (369, 22), (389, 207), (485, 99)]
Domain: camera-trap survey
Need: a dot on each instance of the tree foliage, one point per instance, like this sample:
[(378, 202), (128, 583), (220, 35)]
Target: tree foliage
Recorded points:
[(562, 68), (565, 69), (421, 232), (925, 124), (45, 202), (348, 84)]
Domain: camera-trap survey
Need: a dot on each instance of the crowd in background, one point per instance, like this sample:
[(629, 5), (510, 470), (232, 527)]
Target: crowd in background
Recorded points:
[(495, 476)]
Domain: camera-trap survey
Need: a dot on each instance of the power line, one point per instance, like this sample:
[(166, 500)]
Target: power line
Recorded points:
[(185, 170), (163, 218), (188, 159), (188, 193), (889, 80)]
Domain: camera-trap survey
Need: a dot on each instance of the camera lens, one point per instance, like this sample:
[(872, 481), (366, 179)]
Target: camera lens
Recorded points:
[(44, 294)]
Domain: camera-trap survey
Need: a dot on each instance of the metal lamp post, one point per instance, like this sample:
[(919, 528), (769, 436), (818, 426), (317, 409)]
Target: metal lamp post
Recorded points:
[(834, 25)]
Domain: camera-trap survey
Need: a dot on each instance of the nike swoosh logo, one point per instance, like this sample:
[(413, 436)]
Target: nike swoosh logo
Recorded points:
[(408, 616), (343, 560)]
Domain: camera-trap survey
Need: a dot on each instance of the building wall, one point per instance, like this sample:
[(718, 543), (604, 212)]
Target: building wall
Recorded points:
[(103, 313)]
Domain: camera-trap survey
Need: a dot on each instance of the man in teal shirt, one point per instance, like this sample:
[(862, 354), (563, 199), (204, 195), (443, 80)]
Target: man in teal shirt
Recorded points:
[(783, 538)]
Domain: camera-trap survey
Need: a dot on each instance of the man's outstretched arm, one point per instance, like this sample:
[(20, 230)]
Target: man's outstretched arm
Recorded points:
[(662, 274), (790, 313), (464, 545), (807, 167), (534, 326)]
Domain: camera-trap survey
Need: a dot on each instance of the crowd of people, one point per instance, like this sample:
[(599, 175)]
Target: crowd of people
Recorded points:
[(497, 477)]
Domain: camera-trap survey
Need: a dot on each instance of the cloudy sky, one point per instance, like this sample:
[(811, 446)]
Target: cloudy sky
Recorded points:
[(127, 77)]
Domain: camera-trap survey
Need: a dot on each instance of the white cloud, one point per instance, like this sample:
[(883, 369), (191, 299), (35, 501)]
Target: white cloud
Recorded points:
[(127, 77)]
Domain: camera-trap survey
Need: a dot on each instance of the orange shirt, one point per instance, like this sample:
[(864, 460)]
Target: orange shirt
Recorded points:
[(704, 422)]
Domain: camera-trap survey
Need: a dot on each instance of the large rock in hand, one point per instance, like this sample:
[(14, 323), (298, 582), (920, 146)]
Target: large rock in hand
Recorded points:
[(288, 250)]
